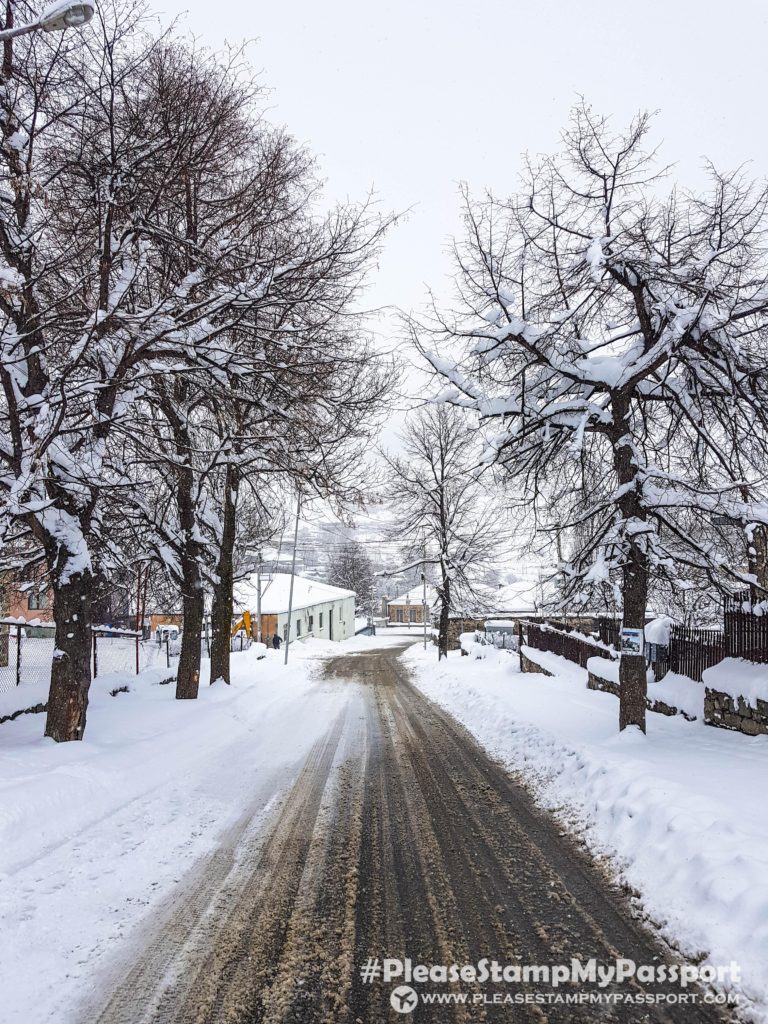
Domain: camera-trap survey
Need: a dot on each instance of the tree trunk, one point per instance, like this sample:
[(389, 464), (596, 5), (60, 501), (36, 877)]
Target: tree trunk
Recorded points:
[(223, 601), (193, 604), (445, 610), (759, 553), (632, 671), (71, 665)]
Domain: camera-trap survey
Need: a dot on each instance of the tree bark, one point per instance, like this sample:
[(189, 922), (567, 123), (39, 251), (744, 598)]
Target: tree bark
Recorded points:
[(632, 672), (223, 600), (71, 665), (635, 582), (445, 611), (193, 604)]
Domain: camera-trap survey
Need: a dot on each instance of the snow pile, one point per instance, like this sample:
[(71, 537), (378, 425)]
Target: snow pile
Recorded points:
[(675, 810), (659, 630), (679, 692), (739, 678), (475, 647), (17, 698), (608, 669), (556, 665), (94, 834)]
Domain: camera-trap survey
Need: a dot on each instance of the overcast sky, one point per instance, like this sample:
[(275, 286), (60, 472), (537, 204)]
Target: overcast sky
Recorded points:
[(410, 98)]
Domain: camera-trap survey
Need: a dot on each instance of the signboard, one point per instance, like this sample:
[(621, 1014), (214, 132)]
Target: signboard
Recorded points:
[(631, 640)]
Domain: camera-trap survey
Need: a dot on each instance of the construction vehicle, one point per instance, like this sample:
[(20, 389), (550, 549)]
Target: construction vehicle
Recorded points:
[(244, 623)]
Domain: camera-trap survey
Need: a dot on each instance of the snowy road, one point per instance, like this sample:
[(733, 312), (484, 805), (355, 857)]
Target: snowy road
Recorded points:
[(399, 838)]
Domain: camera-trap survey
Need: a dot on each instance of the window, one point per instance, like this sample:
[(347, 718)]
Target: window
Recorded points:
[(400, 617), (298, 627), (321, 620), (311, 623), (412, 614), (285, 633), (37, 600)]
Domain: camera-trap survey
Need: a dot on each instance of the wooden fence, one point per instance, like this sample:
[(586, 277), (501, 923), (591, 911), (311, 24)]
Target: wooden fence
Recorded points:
[(566, 644), (691, 651), (746, 634)]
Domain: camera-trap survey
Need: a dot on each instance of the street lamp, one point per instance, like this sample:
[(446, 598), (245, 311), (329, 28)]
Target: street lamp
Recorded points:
[(55, 18)]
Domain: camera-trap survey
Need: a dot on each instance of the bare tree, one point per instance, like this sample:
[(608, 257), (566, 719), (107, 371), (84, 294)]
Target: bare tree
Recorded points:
[(613, 342), (441, 506), (143, 213), (351, 568)]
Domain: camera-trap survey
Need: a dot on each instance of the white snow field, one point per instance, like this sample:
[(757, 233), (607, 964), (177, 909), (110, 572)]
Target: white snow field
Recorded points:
[(679, 813), (93, 835)]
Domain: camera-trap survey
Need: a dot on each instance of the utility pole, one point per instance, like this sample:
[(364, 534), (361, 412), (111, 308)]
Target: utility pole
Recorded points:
[(560, 562), (424, 585), (293, 574), (258, 597), (139, 617)]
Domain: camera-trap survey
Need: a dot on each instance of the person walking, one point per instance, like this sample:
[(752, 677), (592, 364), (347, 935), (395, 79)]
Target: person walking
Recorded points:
[(276, 641)]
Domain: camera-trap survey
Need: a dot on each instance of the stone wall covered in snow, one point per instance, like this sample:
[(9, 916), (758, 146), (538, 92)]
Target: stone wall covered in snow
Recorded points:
[(736, 696), (735, 713)]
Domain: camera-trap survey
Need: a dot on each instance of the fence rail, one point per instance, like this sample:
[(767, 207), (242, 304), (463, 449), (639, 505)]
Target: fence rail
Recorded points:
[(746, 634), (26, 659), (692, 651), (568, 644)]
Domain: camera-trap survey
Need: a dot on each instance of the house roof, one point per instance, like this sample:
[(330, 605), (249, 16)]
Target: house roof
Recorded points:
[(275, 592), (415, 596)]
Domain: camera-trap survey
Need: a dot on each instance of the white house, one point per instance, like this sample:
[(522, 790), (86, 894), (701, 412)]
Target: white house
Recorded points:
[(318, 609)]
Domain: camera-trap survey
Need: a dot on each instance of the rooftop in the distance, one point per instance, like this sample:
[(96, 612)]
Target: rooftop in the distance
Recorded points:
[(275, 591)]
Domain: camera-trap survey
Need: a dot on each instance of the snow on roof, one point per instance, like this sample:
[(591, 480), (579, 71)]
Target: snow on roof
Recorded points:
[(415, 596), (275, 592), (519, 595)]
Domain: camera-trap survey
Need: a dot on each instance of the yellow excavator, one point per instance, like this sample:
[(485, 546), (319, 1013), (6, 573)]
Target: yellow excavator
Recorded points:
[(244, 622)]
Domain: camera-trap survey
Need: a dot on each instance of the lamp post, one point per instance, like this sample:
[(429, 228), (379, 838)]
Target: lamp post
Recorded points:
[(55, 18)]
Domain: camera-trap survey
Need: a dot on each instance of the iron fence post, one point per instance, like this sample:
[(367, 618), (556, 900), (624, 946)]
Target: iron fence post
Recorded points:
[(18, 654)]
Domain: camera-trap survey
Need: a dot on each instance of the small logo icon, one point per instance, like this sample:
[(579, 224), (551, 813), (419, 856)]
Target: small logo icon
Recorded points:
[(403, 999)]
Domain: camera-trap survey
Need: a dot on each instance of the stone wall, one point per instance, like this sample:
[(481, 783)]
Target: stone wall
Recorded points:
[(728, 712), (526, 665), (458, 626), (595, 682), (598, 683)]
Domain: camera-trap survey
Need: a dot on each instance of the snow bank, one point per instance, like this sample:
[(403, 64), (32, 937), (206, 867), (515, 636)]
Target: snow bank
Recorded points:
[(679, 692), (476, 648), (94, 834), (556, 665), (674, 810), (608, 669), (25, 696), (739, 678), (674, 690)]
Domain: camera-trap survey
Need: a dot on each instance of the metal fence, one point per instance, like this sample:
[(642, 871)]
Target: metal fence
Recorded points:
[(502, 639), (115, 651), (26, 655), (23, 658)]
